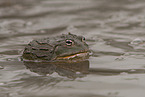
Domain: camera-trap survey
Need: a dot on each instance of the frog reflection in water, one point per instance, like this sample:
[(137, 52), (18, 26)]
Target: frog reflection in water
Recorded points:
[(70, 70), (67, 48)]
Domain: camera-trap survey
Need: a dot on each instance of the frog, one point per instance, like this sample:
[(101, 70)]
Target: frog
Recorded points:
[(62, 48)]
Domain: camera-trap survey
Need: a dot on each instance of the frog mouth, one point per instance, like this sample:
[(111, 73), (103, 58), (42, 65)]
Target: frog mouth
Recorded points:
[(81, 55)]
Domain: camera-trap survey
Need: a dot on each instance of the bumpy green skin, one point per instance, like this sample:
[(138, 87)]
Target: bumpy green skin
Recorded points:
[(48, 49)]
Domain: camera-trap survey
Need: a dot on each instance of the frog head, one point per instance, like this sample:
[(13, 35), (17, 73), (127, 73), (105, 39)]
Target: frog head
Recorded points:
[(71, 47)]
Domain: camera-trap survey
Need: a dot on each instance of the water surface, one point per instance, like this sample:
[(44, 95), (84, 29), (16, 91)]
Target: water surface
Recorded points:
[(114, 30)]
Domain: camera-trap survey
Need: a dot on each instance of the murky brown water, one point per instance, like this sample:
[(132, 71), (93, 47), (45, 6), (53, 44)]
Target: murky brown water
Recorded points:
[(114, 29)]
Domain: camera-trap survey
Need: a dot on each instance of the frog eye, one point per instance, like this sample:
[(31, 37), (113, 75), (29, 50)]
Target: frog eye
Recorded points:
[(69, 42), (83, 39)]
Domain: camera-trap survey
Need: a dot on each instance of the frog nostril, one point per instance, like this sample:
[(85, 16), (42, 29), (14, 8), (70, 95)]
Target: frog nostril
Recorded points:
[(83, 39)]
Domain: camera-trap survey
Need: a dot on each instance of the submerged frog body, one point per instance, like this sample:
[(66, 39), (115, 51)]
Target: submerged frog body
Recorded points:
[(66, 47)]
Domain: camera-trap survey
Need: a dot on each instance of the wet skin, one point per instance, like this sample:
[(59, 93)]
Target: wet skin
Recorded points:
[(66, 47)]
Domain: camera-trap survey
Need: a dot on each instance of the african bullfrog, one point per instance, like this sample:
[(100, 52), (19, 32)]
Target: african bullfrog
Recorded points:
[(66, 47)]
